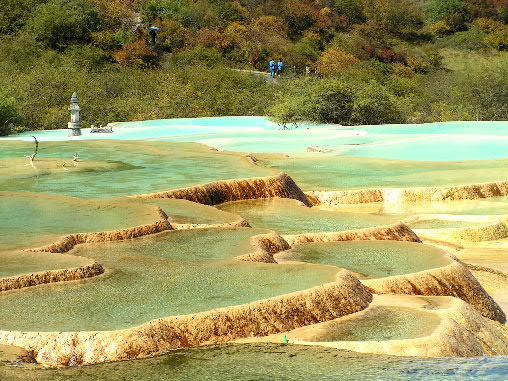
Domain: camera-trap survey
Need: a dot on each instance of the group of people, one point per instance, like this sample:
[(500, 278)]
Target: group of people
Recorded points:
[(276, 68)]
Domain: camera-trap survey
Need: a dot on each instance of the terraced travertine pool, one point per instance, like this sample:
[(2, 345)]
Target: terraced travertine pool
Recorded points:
[(380, 324), (172, 273), (323, 172), (187, 271), (370, 259), (15, 262), (133, 168), (443, 224), (287, 216), (30, 219)]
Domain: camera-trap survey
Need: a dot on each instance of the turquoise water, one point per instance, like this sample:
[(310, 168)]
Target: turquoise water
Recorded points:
[(431, 142), (333, 172), (273, 362), (125, 168)]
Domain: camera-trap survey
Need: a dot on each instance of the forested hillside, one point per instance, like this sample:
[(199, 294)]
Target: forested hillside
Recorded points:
[(371, 61)]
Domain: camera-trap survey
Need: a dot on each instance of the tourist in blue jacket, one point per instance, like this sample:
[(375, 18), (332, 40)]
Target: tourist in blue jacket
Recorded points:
[(280, 67), (273, 67)]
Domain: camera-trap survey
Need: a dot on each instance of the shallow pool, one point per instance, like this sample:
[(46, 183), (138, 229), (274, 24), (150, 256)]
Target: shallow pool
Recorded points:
[(370, 259), (331, 172), (125, 167), (378, 324), (430, 142), (287, 216), (274, 362), (28, 219), (172, 273), (18, 262)]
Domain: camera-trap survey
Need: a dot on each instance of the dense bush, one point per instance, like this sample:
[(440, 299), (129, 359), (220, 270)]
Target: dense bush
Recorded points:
[(15, 13), (338, 101), (335, 61), (438, 10), (472, 39), (59, 23), (377, 60), (8, 114), (498, 39)]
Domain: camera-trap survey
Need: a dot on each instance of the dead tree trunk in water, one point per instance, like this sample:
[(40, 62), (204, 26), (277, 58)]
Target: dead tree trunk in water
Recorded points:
[(32, 156)]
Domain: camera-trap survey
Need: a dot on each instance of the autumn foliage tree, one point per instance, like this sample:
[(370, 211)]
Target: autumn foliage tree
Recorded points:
[(334, 61)]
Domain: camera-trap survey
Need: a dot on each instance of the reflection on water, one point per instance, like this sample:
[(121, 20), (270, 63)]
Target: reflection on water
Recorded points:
[(273, 362)]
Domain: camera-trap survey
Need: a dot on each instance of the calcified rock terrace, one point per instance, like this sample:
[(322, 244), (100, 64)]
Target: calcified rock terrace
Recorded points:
[(465, 309)]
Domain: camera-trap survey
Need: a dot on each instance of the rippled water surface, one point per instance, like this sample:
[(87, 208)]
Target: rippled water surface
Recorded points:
[(274, 362)]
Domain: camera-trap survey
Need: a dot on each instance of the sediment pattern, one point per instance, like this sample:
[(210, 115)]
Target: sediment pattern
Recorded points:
[(344, 296), (460, 192), (360, 196), (266, 245), (241, 223), (479, 233), (218, 192), (452, 280), (50, 276), (395, 232), (68, 242)]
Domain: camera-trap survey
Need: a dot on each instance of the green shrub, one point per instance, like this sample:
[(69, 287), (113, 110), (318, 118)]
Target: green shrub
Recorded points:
[(60, 23), (351, 9), (472, 39), (438, 10), (314, 101), (441, 28), (198, 55), (88, 56), (8, 113), (488, 25), (498, 40), (15, 13), (373, 104), (106, 40)]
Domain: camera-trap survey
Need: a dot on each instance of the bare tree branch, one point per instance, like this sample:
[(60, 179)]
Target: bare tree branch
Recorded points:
[(32, 156)]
